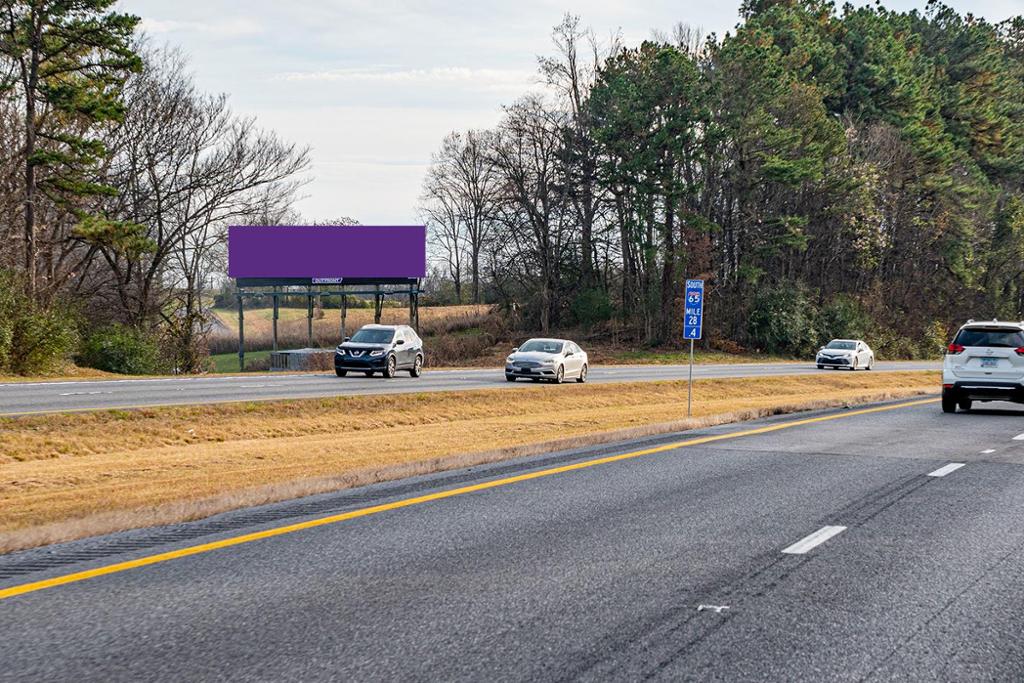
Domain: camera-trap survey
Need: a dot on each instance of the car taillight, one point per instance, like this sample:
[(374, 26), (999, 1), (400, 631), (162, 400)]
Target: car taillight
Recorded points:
[(1020, 350), (955, 348)]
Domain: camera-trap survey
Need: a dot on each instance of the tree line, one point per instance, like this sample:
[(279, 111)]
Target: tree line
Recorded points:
[(830, 172), (117, 179)]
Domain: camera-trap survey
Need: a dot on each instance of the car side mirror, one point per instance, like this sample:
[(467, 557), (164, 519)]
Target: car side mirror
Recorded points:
[(400, 342), (348, 339), (568, 353), (514, 349)]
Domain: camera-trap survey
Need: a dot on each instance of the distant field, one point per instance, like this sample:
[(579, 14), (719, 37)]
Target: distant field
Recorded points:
[(261, 320), (66, 476), (292, 331)]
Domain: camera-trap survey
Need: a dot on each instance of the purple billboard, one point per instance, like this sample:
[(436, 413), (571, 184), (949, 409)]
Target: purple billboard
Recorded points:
[(327, 252)]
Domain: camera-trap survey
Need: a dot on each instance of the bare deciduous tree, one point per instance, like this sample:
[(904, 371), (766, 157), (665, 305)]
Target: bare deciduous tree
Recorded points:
[(187, 167)]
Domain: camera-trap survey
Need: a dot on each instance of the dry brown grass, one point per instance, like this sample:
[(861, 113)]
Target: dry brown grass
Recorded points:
[(68, 372), (68, 476), (292, 333)]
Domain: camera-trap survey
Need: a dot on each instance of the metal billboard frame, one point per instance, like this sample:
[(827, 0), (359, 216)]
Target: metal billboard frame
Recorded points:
[(312, 288)]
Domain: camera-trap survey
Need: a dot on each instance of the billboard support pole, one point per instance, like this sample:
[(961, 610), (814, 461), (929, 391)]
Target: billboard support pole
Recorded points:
[(241, 334), (276, 315), (344, 311), (309, 321), (416, 326)]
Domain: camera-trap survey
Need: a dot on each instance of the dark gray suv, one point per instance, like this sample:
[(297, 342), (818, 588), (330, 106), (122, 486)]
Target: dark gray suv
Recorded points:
[(380, 348)]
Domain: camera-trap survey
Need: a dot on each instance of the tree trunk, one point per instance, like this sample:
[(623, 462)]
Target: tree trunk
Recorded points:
[(476, 275), (30, 192), (668, 275)]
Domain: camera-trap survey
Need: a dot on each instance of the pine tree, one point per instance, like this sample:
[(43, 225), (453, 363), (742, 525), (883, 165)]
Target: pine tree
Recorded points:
[(71, 59)]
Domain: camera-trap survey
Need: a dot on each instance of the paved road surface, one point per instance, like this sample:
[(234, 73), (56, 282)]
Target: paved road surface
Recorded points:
[(41, 397), (666, 566)]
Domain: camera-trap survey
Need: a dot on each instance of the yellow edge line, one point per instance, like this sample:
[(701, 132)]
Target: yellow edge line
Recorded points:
[(440, 495)]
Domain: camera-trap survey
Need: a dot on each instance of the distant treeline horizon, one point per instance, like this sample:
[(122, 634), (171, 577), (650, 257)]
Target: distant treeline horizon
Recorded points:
[(831, 172)]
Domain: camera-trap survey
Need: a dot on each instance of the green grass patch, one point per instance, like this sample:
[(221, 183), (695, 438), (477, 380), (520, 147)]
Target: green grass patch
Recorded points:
[(228, 362)]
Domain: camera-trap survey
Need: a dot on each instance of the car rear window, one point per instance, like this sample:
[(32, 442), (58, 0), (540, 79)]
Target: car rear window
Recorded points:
[(993, 337)]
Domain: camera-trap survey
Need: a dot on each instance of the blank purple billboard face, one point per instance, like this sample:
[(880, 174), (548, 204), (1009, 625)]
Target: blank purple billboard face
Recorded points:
[(363, 251)]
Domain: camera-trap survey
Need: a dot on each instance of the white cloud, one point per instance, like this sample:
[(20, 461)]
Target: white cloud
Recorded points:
[(234, 28), (512, 80), (374, 85), (369, 162)]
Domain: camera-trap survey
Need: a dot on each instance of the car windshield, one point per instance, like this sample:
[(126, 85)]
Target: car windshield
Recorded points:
[(841, 345), (993, 337), (373, 336), (542, 346)]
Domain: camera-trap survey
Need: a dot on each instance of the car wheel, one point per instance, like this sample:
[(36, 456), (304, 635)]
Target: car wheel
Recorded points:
[(559, 375), (821, 367), (965, 403), (510, 378), (417, 367), (391, 367), (948, 401), (583, 375), (340, 373), (871, 363)]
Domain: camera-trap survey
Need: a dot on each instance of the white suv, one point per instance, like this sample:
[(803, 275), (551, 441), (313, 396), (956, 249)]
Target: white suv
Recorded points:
[(985, 362)]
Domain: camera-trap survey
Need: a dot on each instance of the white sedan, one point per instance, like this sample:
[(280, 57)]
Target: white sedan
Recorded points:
[(554, 360), (846, 353)]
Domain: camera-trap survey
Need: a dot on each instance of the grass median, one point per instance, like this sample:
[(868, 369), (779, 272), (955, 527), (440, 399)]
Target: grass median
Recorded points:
[(70, 476)]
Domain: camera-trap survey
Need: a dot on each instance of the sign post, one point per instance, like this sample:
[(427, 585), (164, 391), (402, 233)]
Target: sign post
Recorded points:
[(693, 322)]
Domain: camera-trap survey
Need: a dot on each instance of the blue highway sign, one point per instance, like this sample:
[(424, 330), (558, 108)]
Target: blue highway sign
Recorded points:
[(693, 319)]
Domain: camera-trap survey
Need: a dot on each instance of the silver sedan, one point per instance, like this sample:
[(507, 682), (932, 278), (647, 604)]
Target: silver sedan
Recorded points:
[(554, 360)]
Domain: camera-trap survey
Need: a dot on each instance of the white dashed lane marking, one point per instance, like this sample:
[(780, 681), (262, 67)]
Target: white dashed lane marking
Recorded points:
[(814, 540), (946, 469)]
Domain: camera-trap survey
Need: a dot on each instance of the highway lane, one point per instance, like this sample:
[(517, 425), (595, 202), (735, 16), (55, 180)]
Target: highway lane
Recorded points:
[(663, 564), (42, 397)]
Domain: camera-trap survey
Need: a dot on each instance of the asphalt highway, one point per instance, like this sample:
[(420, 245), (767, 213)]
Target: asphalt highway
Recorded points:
[(52, 397), (869, 544)]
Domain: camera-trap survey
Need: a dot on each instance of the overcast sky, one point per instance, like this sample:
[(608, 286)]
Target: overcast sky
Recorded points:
[(373, 85)]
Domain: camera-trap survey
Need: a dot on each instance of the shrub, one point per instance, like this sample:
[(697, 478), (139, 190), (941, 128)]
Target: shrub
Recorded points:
[(121, 349), (934, 341), (33, 339), (456, 349), (42, 340), (592, 306), (8, 313), (782, 321), (843, 318)]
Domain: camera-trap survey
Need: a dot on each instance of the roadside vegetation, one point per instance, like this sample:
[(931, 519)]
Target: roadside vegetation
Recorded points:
[(68, 476), (830, 171)]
